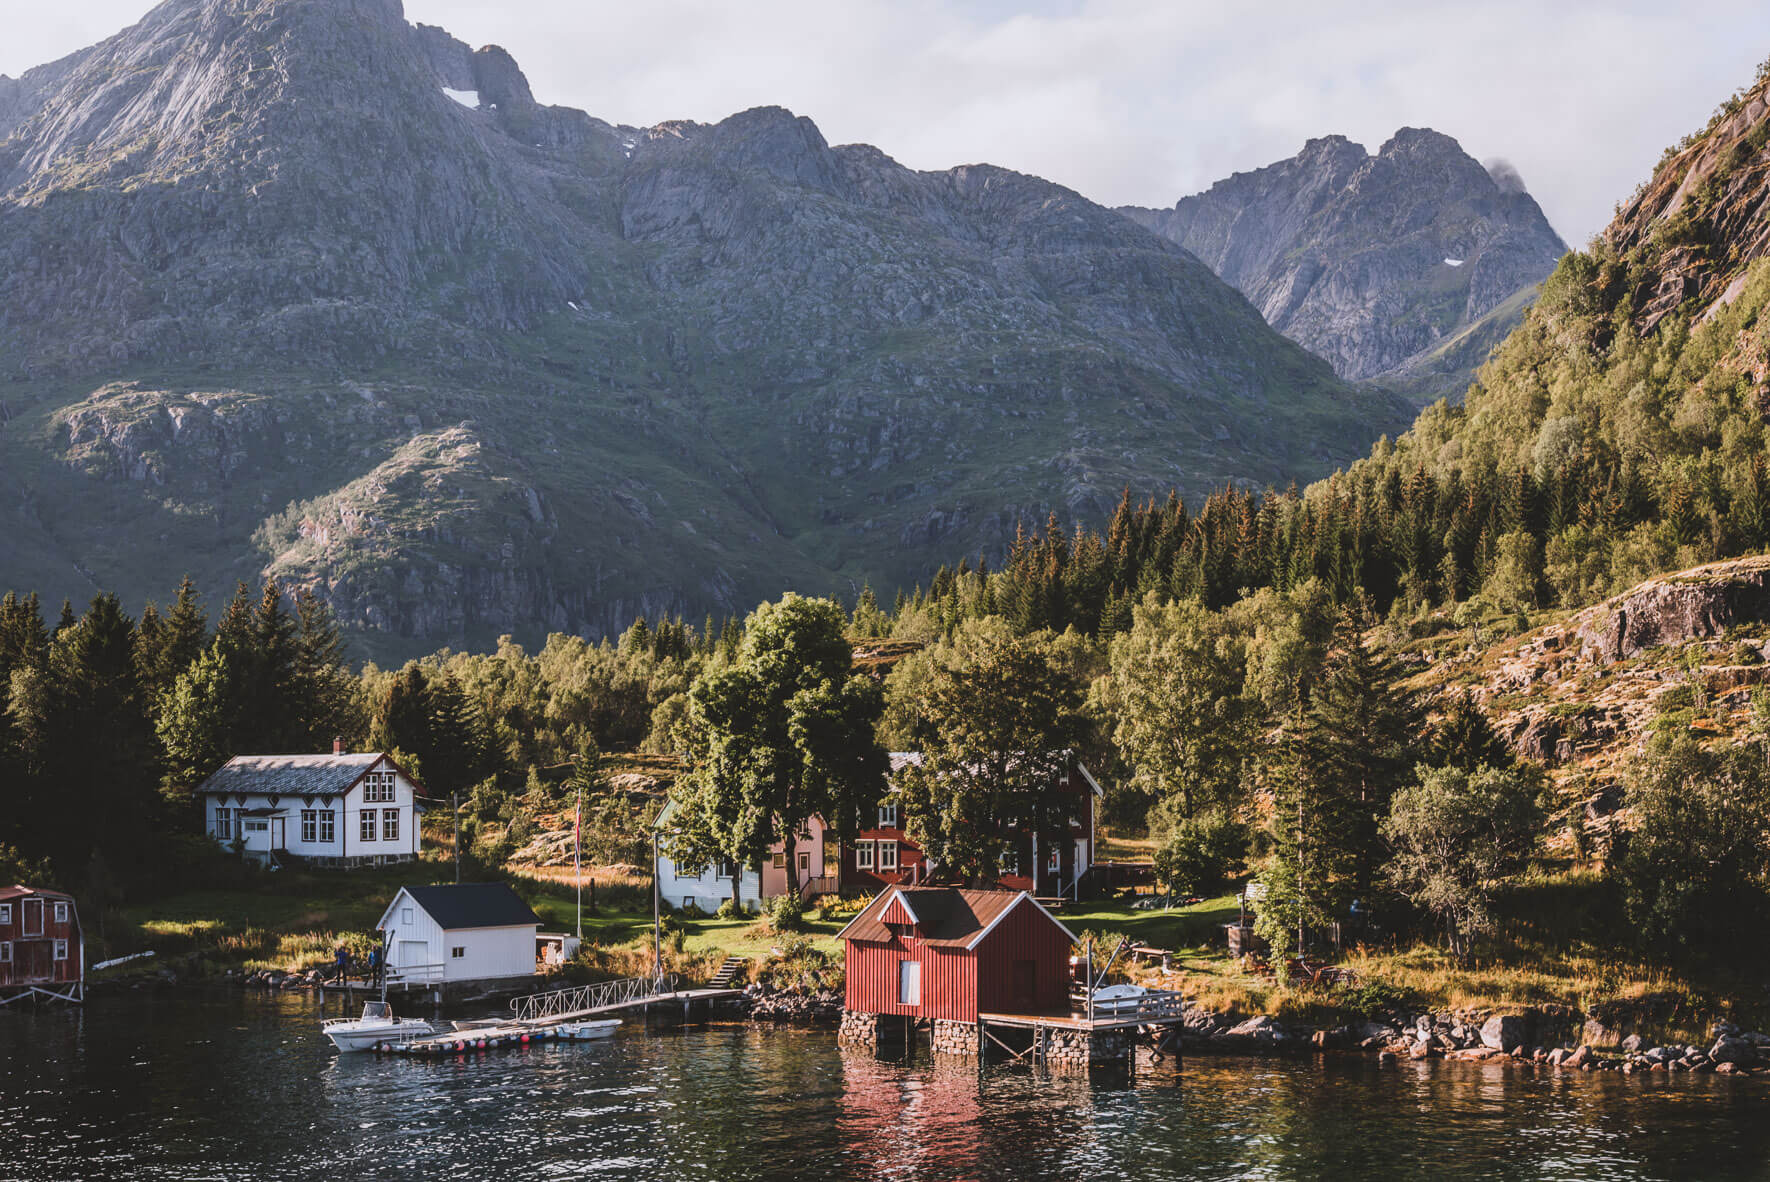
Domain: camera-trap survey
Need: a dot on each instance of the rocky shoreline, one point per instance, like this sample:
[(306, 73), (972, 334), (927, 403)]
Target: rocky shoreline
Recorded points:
[(1527, 1036)]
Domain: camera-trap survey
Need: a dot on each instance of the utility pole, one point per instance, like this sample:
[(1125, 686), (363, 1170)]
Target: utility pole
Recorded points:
[(455, 797), (657, 943), (578, 857)]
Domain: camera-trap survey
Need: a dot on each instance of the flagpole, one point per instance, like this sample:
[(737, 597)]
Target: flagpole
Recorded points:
[(578, 858)]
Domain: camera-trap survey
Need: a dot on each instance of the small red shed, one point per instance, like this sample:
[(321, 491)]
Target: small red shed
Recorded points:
[(41, 949), (946, 953)]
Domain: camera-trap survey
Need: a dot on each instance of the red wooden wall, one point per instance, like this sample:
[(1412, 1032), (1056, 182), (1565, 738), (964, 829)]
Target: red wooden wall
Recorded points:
[(956, 983), (33, 956)]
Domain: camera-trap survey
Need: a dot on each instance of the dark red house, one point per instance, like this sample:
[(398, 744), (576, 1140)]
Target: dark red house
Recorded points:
[(943, 953), (41, 949)]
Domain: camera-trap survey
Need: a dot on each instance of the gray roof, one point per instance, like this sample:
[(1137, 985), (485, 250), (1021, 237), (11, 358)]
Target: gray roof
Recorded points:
[(290, 775), (474, 905)]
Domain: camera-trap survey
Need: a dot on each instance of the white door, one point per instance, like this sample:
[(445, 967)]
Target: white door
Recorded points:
[(411, 954), (909, 983)]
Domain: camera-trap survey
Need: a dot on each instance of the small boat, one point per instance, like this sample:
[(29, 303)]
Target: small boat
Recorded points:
[(582, 1031), (1119, 999), (377, 1025)]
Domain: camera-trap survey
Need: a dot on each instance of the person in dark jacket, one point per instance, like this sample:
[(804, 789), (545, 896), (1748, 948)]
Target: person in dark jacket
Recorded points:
[(341, 961)]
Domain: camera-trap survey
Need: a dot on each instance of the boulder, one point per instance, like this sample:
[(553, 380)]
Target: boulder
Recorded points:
[(1504, 1032), (1730, 1048), (1632, 1043), (1580, 1057)]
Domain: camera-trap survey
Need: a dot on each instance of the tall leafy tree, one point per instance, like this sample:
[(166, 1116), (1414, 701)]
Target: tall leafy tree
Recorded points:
[(999, 721), (1181, 723), (785, 733)]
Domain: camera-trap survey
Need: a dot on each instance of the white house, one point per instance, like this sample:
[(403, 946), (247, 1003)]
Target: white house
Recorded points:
[(333, 810), (706, 887), (459, 932)]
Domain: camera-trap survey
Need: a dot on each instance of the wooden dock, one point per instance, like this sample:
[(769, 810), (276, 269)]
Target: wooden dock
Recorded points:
[(1154, 1023)]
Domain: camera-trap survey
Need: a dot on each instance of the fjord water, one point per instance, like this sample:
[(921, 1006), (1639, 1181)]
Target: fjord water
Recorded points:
[(232, 1086)]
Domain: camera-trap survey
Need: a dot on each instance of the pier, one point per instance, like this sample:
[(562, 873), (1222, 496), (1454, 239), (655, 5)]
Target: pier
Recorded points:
[(540, 1017)]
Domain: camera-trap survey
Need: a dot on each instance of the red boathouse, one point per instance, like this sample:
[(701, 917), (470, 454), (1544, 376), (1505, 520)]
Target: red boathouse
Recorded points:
[(940, 953), (41, 949)]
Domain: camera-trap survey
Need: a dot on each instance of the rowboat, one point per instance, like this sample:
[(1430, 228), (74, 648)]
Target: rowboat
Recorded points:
[(1119, 999), (583, 1031)]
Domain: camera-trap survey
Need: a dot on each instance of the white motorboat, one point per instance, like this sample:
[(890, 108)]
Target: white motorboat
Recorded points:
[(377, 1025), (582, 1031), (1119, 999)]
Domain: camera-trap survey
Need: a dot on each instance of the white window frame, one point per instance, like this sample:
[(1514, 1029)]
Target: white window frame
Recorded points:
[(328, 827), (863, 855), (887, 852), (1054, 863), (61, 911), (888, 816), (61, 950), (389, 824), (5, 951), (6, 913), (224, 824), (726, 869), (405, 916), (254, 825), (367, 822), (458, 952), (909, 982), (310, 826)]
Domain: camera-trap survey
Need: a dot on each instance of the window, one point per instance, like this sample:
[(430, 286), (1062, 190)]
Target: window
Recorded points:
[(61, 950), (727, 869), (389, 824), (224, 824), (1055, 862), (61, 913), (457, 953), (863, 855), (405, 916), (888, 816), (780, 859), (5, 912), (909, 983), (328, 827), (378, 787), (254, 826), (887, 855), (5, 951), (310, 825), (365, 829)]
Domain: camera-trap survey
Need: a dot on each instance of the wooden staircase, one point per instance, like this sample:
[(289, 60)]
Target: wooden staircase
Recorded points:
[(727, 972)]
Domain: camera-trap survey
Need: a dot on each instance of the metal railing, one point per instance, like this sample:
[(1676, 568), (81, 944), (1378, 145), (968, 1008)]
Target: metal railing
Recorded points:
[(414, 974), (602, 995)]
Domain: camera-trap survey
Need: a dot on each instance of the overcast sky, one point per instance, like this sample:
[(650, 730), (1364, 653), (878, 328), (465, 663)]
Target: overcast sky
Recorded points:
[(1127, 101)]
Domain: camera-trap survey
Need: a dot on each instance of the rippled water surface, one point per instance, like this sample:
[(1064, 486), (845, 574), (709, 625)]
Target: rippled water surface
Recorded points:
[(226, 1086)]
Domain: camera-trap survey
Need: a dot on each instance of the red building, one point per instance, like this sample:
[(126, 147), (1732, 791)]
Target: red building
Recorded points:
[(41, 950), (883, 855), (946, 953)]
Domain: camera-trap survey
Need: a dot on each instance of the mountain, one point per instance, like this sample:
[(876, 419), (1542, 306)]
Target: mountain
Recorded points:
[(1401, 268), (294, 287)]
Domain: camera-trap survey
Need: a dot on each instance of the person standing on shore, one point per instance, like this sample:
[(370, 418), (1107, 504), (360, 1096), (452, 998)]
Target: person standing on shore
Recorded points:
[(341, 960)]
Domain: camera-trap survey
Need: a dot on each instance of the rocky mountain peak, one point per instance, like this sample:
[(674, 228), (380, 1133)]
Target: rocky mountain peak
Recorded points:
[(1375, 262), (294, 287)]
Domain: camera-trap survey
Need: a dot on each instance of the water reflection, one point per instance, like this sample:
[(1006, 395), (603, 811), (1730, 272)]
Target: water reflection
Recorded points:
[(230, 1086)]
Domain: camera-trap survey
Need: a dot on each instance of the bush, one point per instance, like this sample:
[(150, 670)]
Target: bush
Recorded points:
[(1377, 999), (786, 913), (730, 910), (1202, 854)]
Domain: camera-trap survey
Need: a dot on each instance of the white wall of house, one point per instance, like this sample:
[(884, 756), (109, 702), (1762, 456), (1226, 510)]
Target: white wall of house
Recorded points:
[(425, 951), (349, 826), (708, 888)]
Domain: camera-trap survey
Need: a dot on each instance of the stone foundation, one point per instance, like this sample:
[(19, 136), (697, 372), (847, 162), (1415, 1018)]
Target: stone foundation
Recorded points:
[(953, 1038), (872, 1031)]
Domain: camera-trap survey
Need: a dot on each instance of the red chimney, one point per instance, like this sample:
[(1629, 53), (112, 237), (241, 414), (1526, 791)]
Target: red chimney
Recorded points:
[(338, 745)]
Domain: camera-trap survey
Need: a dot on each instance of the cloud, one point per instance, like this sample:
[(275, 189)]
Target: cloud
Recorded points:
[(1124, 100)]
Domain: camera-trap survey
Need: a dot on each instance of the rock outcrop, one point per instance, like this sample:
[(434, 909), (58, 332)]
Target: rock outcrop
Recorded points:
[(1378, 263), (685, 366), (1691, 605)]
